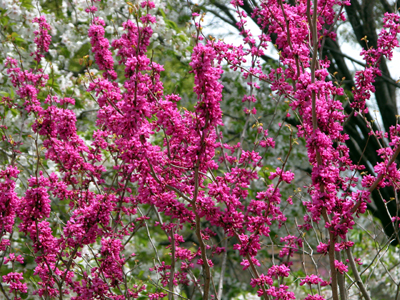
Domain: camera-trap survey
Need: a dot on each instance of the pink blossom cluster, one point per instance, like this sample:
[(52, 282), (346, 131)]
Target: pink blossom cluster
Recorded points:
[(100, 47), (9, 199), (14, 280), (313, 279), (42, 38), (387, 41)]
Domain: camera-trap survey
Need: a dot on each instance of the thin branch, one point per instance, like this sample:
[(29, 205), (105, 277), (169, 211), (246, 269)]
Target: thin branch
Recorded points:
[(356, 274)]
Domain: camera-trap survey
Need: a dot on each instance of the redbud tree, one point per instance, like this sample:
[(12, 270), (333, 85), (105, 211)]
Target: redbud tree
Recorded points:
[(152, 200)]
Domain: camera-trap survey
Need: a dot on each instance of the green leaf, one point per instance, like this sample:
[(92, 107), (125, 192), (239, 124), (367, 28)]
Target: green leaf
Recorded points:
[(162, 13), (27, 4), (172, 25), (4, 20), (183, 38), (14, 112)]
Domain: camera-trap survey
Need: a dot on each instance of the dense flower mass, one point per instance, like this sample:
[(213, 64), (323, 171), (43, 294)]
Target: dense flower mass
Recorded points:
[(43, 38), (9, 199), (153, 167)]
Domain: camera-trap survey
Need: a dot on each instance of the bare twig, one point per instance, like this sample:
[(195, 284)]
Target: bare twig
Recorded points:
[(356, 274)]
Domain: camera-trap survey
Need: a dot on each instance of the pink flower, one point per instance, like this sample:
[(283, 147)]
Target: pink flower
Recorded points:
[(311, 279), (14, 281), (287, 176), (314, 297), (149, 4), (323, 248), (278, 271), (342, 268), (14, 258), (91, 9), (42, 38)]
